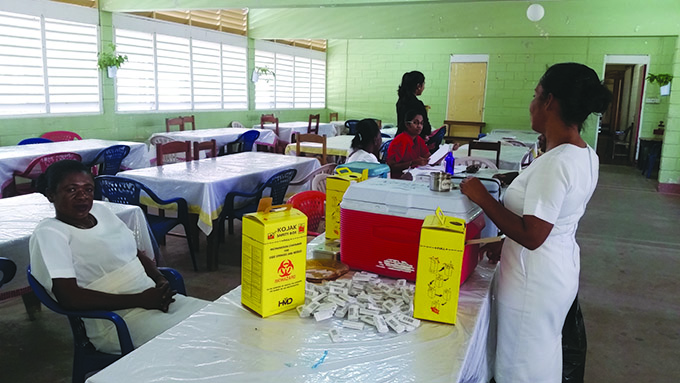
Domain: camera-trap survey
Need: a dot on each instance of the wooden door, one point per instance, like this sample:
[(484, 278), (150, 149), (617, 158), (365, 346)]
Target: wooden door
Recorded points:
[(467, 84)]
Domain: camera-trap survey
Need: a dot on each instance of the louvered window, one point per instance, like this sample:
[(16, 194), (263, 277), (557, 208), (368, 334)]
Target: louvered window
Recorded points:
[(298, 80), (176, 67), (48, 59)]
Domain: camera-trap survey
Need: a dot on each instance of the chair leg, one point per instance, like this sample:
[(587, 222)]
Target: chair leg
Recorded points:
[(231, 225), (192, 246)]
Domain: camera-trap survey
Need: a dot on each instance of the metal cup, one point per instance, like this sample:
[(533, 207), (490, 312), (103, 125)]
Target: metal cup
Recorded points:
[(440, 181)]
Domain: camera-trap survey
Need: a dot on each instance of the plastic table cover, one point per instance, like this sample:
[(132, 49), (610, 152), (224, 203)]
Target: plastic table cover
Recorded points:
[(225, 342), (335, 146), (18, 157), (223, 136), (205, 183), (527, 137), (510, 158), (20, 215), (287, 129)]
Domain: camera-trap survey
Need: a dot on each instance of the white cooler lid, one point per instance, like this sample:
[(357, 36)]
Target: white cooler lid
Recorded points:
[(407, 199)]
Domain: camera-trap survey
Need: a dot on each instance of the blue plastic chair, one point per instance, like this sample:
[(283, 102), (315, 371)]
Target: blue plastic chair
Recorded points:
[(244, 142), (34, 140), (110, 159), (383, 151), (127, 191), (247, 202), (86, 358), (352, 126), (8, 269)]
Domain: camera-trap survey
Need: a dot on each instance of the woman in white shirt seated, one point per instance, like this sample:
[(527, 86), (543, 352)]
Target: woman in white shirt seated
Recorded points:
[(88, 259), (366, 143)]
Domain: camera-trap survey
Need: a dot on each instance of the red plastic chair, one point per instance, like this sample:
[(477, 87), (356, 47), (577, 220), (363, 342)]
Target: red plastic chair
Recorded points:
[(61, 135), (34, 169), (313, 204)]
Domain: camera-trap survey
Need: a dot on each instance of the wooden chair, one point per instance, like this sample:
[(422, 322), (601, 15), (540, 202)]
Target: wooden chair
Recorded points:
[(299, 151), (170, 152), (315, 129), (210, 146), (333, 116), (189, 120), (279, 144), (486, 145), (170, 122)]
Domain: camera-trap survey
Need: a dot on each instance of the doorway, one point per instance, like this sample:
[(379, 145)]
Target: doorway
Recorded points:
[(620, 125)]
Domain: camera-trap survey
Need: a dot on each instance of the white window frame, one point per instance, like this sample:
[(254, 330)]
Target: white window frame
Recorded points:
[(158, 27), (290, 89), (88, 94)]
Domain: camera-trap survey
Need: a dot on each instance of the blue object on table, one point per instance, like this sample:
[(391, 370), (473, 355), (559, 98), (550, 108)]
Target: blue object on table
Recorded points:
[(34, 140), (450, 162), (374, 170)]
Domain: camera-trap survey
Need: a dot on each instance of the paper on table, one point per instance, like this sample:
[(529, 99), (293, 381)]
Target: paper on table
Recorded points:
[(439, 155)]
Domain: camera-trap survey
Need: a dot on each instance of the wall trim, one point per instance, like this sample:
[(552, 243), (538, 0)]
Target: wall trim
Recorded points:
[(668, 188)]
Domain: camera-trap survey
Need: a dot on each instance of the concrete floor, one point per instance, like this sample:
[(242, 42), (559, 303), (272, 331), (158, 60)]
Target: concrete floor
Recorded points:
[(630, 262)]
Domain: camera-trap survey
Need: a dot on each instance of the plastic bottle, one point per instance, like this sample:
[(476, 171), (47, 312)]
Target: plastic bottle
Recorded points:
[(450, 161)]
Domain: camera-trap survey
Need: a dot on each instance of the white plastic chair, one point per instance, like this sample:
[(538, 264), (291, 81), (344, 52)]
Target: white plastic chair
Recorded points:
[(236, 124), (319, 182), (484, 163)]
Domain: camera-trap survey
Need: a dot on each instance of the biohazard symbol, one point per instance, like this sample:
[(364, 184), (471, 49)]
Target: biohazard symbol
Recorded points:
[(270, 236), (285, 268), (301, 229)]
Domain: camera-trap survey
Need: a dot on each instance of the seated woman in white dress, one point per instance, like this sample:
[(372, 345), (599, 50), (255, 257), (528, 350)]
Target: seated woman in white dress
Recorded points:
[(366, 143), (88, 259)]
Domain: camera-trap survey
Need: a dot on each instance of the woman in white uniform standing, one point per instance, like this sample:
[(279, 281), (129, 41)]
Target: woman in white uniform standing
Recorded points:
[(539, 269)]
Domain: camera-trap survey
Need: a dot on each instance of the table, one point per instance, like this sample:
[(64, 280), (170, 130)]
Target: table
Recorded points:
[(21, 214), (335, 146), (18, 157), (287, 129), (527, 137), (223, 136), (510, 158), (204, 183), (226, 342)]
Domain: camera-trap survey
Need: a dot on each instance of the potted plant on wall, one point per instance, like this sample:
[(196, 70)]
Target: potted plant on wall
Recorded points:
[(264, 72), (664, 81), (110, 61)]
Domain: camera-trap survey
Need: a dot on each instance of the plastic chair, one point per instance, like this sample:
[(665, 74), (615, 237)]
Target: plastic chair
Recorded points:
[(8, 269), (61, 135), (527, 159), (484, 163), (486, 145), (315, 129), (110, 160), (383, 151), (436, 139), (351, 126), (34, 169), (236, 124), (34, 140), (170, 122), (622, 139), (248, 201), (300, 138), (86, 359), (244, 142), (333, 116), (210, 146), (313, 204), (326, 169), (189, 120), (128, 191), (170, 152)]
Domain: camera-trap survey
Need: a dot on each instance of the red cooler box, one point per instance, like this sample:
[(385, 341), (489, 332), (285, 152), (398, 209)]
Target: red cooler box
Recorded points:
[(381, 221)]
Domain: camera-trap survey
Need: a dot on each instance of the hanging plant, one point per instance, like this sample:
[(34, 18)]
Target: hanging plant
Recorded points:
[(264, 72), (109, 58), (661, 79)]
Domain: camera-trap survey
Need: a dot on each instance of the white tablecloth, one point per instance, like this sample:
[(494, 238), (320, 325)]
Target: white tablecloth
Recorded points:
[(510, 158), (389, 131), (223, 136), (17, 158), (205, 183), (226, 342), (287, 129), (335, 146), (20, 215), (527, 137)]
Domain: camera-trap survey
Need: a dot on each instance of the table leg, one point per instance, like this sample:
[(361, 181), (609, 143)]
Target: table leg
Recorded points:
[(213, 246)]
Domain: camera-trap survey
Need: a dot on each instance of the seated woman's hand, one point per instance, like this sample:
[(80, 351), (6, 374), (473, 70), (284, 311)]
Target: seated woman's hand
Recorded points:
[(158, 298), (421, 161)]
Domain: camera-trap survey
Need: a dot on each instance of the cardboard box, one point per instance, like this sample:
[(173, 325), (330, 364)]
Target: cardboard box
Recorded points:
[(274, 257), (336, 186), (440, 258)]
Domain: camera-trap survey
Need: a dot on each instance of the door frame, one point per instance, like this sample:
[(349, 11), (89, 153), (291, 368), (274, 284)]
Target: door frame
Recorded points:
[(628, 60)]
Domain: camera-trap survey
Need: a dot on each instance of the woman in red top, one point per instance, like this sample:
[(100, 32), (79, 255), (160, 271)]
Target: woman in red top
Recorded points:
[(408, 149)]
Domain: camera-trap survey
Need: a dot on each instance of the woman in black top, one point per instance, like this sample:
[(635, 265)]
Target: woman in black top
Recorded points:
[(412, 85)]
